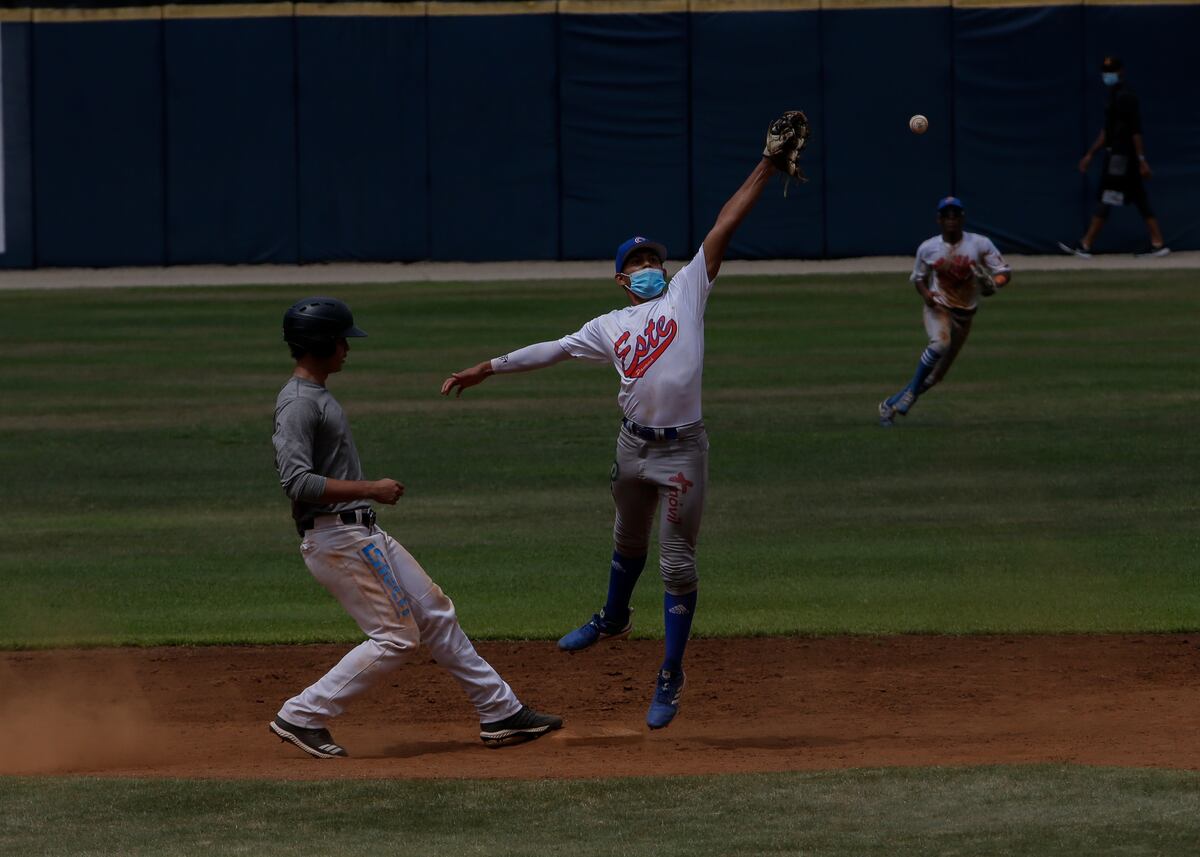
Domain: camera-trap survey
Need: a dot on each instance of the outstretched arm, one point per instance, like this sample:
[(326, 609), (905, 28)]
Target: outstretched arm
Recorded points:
[(522, 360), (469, 377), (733, 213)]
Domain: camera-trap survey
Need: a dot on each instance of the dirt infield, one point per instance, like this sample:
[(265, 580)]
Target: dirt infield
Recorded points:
[(751, 705)]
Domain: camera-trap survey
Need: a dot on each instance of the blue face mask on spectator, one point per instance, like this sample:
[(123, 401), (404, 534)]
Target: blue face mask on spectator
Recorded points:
[(1110, 78), (647, 283)]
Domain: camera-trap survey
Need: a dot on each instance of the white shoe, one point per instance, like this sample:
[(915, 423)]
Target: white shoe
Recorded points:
[(1077, 250), (886, 412)]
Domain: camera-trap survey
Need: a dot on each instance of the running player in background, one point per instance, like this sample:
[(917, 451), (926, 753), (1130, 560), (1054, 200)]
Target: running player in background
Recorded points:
[(952, 270)]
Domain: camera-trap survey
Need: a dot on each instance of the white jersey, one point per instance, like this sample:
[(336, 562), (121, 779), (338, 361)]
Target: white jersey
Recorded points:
[(657, 348), (977, 248)]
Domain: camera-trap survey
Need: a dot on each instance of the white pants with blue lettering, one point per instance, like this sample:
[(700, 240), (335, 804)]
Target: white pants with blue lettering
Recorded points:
[(398, 607)]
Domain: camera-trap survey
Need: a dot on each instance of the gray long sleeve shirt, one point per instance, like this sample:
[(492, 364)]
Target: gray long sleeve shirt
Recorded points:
[(312, 443)]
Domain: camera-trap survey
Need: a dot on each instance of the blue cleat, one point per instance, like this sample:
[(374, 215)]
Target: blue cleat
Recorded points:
[(907, 399), (596, 629), (886, 413), (667, 690)]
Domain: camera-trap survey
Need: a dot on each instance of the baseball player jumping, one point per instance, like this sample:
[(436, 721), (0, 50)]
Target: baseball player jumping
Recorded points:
[(952, 271), (374, 578), (656, 345)]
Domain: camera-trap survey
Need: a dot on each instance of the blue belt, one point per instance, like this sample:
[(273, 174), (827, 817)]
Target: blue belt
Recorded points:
[(647, 433)]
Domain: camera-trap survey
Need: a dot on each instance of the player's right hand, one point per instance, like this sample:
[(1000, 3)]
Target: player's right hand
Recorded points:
[(387, 491), (466, 378)]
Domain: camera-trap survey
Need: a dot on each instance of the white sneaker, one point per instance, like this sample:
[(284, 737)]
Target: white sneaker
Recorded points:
[(1077, 250), (1151, 250)]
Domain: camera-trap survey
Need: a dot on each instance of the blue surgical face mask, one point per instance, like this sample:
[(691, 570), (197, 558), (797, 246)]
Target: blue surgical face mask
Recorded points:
[(647, 283), (1110, 78)]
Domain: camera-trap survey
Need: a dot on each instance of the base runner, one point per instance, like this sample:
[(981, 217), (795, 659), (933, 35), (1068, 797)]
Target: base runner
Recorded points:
[(371, 575)]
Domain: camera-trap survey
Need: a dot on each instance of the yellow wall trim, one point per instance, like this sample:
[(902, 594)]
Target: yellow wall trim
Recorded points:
[(753, 5), (467, 8), (131, 13), (834, 5), (439, 8), (178, 12), (621, 7), (361, 10)]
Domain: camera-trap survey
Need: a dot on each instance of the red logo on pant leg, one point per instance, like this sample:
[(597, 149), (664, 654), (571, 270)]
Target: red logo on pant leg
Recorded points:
[(683, 484), (682, 481)]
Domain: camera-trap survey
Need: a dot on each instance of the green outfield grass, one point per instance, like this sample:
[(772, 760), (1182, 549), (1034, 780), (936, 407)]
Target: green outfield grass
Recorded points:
[(1049, 485), (1030, 811)]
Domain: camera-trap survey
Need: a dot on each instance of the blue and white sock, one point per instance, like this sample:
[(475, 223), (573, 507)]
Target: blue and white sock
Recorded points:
[(929, 359), (678, 611), (623, 576)]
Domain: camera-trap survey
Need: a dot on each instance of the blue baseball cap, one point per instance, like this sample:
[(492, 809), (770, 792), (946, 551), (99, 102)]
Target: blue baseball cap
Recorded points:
[(950, 202), (637, 243)]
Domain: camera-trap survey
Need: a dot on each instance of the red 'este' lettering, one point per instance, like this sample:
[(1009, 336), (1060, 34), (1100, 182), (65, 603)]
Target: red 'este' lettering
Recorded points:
[(649, 345)]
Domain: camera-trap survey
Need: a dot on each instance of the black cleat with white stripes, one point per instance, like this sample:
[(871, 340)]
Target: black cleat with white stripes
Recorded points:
[(318, 743)]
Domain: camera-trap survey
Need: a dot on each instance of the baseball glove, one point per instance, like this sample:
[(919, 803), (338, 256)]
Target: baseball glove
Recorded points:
[(786, 137), (986, 282)]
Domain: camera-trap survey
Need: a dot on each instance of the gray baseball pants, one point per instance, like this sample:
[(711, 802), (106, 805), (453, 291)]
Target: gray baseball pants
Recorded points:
[(670, 473)]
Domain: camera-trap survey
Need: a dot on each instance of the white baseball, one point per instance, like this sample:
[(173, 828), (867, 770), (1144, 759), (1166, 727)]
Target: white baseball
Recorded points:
[(918, 124)]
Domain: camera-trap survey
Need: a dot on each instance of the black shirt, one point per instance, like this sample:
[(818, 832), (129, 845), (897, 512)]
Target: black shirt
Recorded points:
[(1122, 119)]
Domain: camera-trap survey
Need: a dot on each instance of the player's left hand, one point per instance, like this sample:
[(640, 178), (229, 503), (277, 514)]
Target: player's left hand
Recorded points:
[(786, 138), (1144, 169), (986, 281)]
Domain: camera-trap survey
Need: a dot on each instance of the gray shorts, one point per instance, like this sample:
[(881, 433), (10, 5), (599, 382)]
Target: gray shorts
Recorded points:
[(670, 473)]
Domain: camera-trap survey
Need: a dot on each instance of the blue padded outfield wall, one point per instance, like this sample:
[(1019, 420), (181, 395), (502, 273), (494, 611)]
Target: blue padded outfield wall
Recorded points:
[(186, 133)]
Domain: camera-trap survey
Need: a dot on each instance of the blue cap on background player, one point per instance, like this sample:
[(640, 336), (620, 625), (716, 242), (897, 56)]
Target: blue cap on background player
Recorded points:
[(950, 202), (638, 243)]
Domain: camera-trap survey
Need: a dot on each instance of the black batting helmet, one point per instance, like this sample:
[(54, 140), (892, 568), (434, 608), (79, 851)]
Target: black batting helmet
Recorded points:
[(317, 323)]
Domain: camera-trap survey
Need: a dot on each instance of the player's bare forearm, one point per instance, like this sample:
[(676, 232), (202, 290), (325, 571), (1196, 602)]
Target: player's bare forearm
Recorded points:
[(732, 214), (459, 381), (923, 291), (1095, 147), (1139, 149), (386, 491)]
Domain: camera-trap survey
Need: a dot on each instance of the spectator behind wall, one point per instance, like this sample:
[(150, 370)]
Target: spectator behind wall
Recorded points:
[(1125, 165)]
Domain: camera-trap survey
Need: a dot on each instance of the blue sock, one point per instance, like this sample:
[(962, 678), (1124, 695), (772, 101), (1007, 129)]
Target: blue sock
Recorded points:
[(929, 359), (623, 576), (678, 611)]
